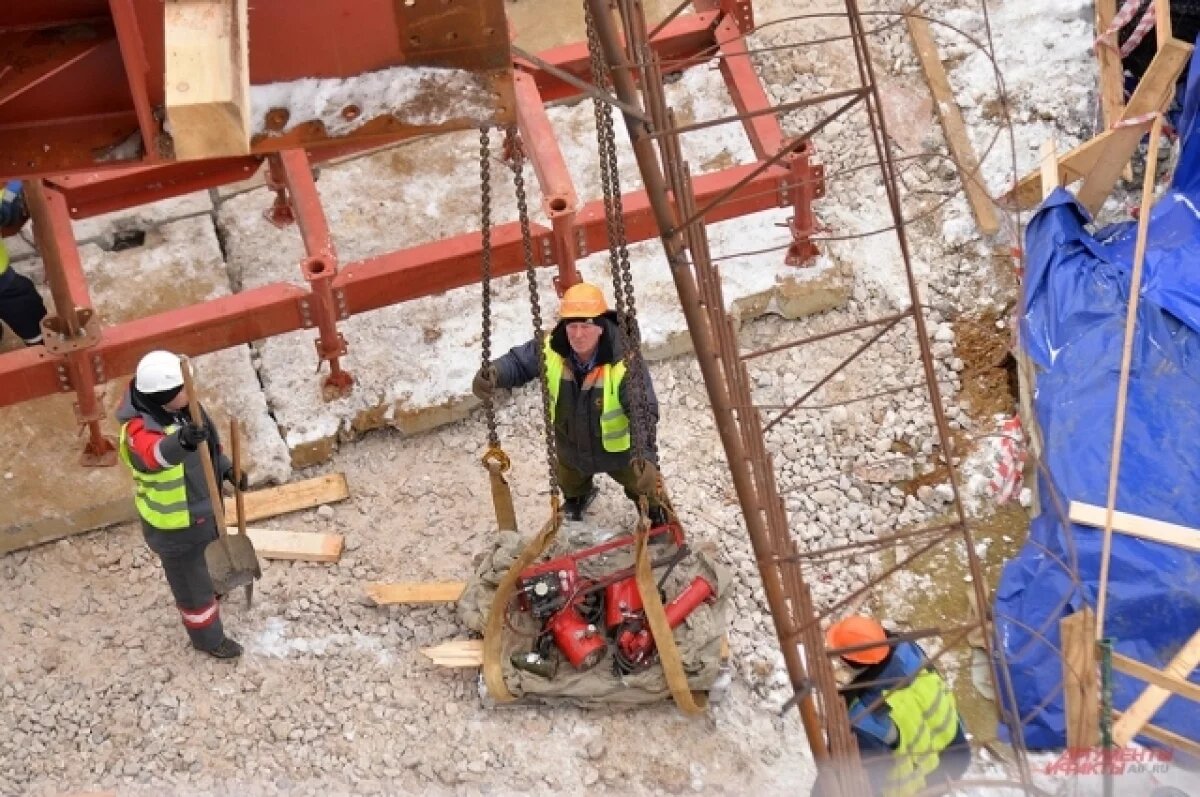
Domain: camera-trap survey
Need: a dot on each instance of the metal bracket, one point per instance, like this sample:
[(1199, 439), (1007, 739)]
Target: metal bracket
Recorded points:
[(547, 251), (56, 332), (581, 242), (339, 298), (305, 313)]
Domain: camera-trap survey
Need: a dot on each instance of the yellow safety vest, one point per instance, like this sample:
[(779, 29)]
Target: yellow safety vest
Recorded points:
[(614, 423), (161, 497), (3, 257), (926, 717)]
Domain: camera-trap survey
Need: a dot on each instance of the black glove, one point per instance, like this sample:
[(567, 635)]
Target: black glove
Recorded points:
[(484, 384), (192, 435), (241, 484)]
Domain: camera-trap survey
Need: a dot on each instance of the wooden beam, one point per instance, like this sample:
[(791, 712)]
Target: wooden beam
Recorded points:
[(418, 592), (1136, 526), (299, 546), (1153, 95), (1112, 76), (1162, 22), (456, 653), (207, 82), (1142, 710), (1081, 682), (1169, 738), (1050, 176), (961, 150), (261, 504), (1150, 675)]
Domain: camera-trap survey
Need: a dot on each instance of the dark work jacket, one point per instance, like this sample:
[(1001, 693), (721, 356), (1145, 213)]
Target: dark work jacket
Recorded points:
[(203, 528), (577, 416)]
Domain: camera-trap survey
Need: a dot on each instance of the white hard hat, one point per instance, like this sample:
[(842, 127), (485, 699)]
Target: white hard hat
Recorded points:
[(158, 371)]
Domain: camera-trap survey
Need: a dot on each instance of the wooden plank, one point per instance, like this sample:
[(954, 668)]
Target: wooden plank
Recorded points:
[(1150, 675), (456, 653), (1169, 738), (1050, 175), (1136, 526), (1142, 710), (1112, 76), (261, 504), (299, 546), (961, 150), (415, 592), (1162, 22), (1081, 682), (207, 83), (1153, 94)]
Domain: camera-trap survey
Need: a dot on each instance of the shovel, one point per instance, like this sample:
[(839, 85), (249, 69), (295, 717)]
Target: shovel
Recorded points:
[(231, 561)]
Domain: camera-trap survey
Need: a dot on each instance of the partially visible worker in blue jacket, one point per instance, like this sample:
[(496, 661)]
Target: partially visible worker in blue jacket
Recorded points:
[(21, 306), (903, 714)]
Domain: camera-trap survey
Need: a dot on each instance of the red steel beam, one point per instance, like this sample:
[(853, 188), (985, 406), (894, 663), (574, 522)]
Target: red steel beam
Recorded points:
[(746, 90), (365, 285), (559, 199), (137, 74)]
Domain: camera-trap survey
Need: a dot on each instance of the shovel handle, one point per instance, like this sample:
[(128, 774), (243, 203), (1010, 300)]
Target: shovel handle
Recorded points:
[(235, 442), (210, 477)]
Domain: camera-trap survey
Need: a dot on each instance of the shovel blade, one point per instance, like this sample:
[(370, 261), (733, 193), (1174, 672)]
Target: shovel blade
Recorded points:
[(232, 563)]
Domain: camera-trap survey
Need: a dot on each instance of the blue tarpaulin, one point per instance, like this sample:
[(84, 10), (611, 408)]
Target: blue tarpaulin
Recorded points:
[(1072, 326)]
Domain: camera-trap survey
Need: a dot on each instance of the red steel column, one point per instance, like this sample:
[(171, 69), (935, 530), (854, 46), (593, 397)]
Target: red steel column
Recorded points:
[(559, 200), (73, 330), (806, 182), (319, 268)]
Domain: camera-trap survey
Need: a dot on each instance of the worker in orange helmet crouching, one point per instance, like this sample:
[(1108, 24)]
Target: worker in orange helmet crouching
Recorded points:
[(903, 713), (587, 377)]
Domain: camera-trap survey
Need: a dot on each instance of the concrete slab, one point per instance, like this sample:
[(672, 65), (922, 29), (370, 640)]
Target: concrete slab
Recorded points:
[(44, 492)]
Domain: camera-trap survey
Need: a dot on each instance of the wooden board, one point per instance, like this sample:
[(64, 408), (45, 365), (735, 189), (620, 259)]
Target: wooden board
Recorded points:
[(416, 592), (1136, 526), (1112, 76), (1081, 683), (1156, 677), (1153, 94), (1142, 710), (299, 546), (456, 653), (261, 504), (961, 150), (207, 83), (1169, 738)]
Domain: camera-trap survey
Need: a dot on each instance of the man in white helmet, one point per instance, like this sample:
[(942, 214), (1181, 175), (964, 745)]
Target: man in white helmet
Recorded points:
[(162, 448)]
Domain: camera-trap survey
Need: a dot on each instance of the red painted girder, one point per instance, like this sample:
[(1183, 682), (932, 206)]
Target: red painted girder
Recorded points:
[(93, 193), (747, 91), (42, 56), (194, 330)]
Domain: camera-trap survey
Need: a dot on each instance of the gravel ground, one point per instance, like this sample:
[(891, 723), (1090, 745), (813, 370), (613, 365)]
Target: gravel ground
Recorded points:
[(332, 697)]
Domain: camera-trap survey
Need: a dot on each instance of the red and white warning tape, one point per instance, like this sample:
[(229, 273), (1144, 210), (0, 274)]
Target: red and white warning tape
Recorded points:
[(1010, 462), (1146, 24)]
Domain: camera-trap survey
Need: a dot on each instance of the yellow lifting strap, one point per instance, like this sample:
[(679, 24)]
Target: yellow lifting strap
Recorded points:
[(689, 702), (493, 633), (497, 464)]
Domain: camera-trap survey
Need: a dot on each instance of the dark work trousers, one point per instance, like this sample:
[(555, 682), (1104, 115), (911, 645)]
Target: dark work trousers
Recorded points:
[(182, 557), (21, 306), (576, 483)]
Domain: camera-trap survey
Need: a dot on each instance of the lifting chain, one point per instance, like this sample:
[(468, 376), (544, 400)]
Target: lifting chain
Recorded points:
[(494, 451), (618, 251), (516, 152)]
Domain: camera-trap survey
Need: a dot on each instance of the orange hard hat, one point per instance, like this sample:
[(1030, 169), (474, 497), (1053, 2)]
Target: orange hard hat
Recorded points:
[(858, 630), (583, 300)]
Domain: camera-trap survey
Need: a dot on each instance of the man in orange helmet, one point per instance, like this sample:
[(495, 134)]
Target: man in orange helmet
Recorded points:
[(590, 401), (903, 713)]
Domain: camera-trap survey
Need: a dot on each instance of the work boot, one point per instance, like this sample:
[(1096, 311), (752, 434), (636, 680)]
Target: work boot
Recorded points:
[(575, 506), (226, 649)]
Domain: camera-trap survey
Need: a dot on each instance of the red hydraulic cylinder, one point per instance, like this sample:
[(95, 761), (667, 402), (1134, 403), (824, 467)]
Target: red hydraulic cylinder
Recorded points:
[(559, 200), (73, 331), (319, 268)]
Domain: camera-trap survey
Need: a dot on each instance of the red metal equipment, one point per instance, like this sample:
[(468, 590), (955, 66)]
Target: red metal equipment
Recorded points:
[(335, 290), (570, 605)]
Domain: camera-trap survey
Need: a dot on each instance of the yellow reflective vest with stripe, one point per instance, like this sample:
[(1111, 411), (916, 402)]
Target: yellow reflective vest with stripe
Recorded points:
[(161, 497), (926, 716), (614, 423), (3, 257)]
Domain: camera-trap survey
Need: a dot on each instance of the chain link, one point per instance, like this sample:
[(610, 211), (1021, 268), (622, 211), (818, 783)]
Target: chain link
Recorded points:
[(485, 229), (618, 250), (517, 163)]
